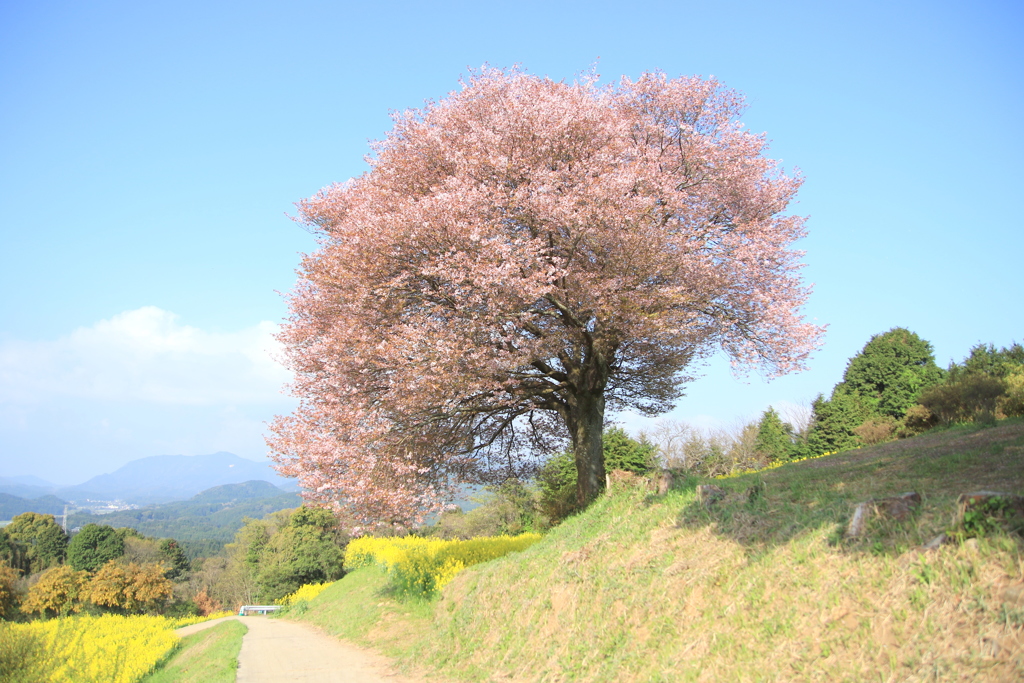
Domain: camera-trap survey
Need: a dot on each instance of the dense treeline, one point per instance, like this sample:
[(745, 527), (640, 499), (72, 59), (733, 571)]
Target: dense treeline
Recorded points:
[(100, 569), (104, 569), (890, 389), (893, 389), (272, 557)]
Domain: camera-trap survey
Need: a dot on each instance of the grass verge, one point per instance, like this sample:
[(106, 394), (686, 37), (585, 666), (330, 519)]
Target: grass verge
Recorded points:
[(208, 656), (754, 588)]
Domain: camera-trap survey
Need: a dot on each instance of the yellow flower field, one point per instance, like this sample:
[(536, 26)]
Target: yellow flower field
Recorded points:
[(421, 566), (90, 649)]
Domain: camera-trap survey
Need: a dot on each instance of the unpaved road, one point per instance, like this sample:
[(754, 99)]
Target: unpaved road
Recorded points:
[(282, 651)]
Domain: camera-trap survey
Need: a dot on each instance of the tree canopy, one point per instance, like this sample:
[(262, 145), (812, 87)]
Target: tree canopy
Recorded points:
[(59, 591), (774, 437), (276, 555), (94, 546), (37, 540), (522, 257), (891, 371)]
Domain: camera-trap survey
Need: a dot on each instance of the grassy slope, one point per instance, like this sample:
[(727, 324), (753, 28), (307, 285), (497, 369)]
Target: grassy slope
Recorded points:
[(208, 656), (660, 589)]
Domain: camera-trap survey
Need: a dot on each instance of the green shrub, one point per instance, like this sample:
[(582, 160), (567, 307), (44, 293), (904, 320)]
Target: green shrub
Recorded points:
[(877, 430), (1011, 403), (917, 421), (557, 478), (508, 509), (972, 396), (992, 515)]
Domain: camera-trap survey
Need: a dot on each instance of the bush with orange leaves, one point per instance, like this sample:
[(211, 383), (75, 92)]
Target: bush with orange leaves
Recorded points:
[(206, 604), (58, 592)]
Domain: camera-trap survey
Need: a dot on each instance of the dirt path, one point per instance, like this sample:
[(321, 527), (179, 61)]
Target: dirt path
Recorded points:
[(283, 651)]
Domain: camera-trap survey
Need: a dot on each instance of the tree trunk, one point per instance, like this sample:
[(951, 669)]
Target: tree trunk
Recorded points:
[(587, 430)]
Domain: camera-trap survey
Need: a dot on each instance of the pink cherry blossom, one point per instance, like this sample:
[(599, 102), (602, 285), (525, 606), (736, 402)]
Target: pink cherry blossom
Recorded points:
[(524, 256)]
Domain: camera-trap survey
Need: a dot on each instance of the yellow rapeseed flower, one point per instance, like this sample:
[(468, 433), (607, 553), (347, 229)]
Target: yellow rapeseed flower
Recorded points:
[(306, 592), (421, 566), (772, 466), (99, 649)]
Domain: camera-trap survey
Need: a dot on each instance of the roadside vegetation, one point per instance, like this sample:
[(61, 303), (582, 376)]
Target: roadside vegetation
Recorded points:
[(208, 656)]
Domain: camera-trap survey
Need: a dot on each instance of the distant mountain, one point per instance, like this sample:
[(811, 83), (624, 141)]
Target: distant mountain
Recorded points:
[(12, 506), (232, 493), (164, 478), (29, 480), (203, 523), (26, 487)]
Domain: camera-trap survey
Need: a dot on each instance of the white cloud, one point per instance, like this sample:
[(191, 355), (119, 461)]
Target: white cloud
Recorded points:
[(146, 355)]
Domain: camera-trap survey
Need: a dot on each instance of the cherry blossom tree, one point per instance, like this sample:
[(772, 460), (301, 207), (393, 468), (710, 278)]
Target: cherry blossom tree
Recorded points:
[(524, 257)]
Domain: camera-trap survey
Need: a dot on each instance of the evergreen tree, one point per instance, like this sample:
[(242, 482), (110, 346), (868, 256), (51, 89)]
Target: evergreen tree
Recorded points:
[(890, 372), (774, 437), (834, 420), (622, 452), (987, 359), (177, 561)]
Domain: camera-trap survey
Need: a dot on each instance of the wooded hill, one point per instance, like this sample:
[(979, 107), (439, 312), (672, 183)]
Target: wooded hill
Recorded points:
[(12, 506), (205, 522)]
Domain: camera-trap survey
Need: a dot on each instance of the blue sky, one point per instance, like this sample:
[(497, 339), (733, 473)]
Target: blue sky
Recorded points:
[(150, 155)]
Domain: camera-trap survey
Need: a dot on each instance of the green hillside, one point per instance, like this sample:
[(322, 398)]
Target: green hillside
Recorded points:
[(12, 506), (760, 586), (204, 523)]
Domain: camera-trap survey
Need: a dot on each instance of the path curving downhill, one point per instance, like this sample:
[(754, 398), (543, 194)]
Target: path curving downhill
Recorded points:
[(283, 651)]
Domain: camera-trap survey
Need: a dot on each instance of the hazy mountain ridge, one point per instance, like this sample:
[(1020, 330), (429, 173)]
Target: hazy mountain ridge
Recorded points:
[(12, 506), (155, 479), (16, 486), (166, 478)]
